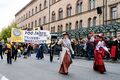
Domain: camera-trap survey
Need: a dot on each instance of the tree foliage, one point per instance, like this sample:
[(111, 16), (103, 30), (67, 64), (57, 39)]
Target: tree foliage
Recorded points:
[(6, 32)]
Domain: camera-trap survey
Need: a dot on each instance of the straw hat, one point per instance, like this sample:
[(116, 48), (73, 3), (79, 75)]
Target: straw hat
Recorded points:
[(65, 33), (100, 35)]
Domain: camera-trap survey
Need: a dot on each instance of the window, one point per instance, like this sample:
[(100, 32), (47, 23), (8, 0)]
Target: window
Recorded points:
[(40, 7), (35, 23), (114, 12), (36, 9), (31, 25), (92, 4), (80, 24), (70, 26), (69, 10), (26, 15), (29, 13), (60, 13), (79, 6), (26, 26), (32, 11), (94, 21), (53, 16), (44, 20), (67, 27), (89, 22), (60, 28), (52, 29), (40, 22), (45, 4), (53, 1), (76, 25)]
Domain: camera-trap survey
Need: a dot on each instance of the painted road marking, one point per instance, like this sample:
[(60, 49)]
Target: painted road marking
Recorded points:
[(4, 78)]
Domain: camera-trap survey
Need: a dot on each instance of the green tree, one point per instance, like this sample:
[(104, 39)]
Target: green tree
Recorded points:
[(6, 32)]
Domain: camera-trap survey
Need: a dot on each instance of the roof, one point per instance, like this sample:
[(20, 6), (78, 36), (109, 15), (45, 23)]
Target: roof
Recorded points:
[(25, 7)]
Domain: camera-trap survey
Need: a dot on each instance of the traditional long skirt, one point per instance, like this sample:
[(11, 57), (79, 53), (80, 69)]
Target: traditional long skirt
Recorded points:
[(66, 60), (98, 61), (39, 54), (113, 52)]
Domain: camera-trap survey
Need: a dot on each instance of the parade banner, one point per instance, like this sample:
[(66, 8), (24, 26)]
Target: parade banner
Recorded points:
[(35, 36), (17, 35), (38, 37)]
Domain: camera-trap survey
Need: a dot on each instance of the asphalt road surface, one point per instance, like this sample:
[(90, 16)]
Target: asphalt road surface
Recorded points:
[(33, 69)]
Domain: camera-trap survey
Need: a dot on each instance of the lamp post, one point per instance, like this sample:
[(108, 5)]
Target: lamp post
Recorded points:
[(51, 52)]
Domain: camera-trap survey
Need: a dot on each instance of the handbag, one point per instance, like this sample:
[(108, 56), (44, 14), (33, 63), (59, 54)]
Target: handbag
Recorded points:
[(72, 54)]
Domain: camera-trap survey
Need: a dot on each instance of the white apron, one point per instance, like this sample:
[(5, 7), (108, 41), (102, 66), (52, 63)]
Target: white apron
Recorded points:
[(66, 46)]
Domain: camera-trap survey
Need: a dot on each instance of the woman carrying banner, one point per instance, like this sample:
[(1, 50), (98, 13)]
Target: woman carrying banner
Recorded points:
[(99, 54), (65, 56)]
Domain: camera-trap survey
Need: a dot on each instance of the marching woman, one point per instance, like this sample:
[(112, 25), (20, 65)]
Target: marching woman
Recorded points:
[(99, 54), (65, 55), (114, 48), (40, 52)]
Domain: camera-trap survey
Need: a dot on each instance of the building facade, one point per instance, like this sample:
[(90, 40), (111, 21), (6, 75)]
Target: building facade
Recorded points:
[(67, 15)]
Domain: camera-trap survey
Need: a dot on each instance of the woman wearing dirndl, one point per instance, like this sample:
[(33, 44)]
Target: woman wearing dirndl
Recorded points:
[(99, 54), (65, 55)]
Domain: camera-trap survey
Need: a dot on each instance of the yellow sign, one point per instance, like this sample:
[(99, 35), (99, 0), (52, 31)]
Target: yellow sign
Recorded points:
[(17, 35)]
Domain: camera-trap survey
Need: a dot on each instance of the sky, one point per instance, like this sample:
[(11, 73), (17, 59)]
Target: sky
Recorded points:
[(8, 9)]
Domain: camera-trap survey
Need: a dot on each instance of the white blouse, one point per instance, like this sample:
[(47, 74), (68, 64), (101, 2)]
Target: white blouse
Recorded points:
[(101, 44)]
